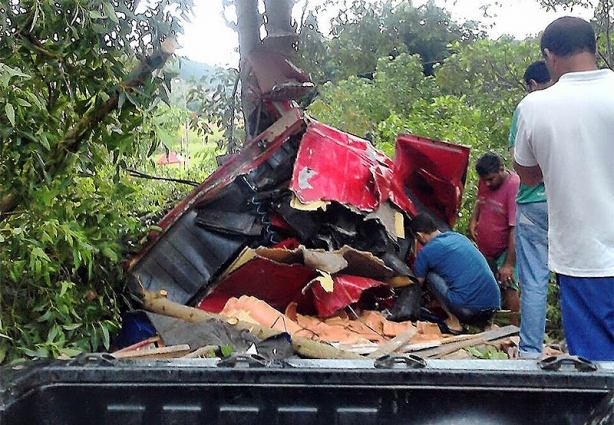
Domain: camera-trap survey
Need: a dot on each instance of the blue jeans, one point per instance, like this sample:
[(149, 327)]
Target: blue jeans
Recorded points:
[(472, 316), (587, 309), (531, 239)]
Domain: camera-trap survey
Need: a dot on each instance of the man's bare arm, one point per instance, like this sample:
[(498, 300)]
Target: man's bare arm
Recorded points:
[(530, 176), (472, 230), (506, 272)]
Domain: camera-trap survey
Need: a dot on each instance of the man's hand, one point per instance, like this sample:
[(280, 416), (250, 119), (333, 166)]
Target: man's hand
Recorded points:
[(506, 274), (473, 230), (473, 222)]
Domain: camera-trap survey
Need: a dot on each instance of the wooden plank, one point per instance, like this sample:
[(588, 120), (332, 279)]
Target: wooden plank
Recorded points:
[(394, 344), (480, 338), (149, 343), (155, 353), (202, 352)]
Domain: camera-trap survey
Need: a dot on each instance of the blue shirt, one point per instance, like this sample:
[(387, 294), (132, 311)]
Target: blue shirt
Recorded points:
[(453, 257)]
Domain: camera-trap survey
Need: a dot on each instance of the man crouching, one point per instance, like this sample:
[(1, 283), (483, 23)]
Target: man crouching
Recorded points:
[(456, 273)]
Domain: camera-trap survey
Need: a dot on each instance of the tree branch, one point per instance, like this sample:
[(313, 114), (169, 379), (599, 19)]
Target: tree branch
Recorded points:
[(73, 137)]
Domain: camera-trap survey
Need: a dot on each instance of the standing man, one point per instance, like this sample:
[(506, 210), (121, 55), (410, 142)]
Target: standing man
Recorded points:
[(566, 135), (531, 240), (492, 225), (456, 273)]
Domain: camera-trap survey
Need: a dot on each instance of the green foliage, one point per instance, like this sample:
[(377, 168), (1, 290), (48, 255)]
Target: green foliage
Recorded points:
[(358, 105), (219, 108), (61, 263), (486, 352), (312, 55), (364, 32), (554, 322), (79, 84)]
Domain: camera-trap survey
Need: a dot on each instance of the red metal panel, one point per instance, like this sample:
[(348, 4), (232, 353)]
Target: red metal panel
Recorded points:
[(434, 172), (335, 166), (276, 283), (347, 290)]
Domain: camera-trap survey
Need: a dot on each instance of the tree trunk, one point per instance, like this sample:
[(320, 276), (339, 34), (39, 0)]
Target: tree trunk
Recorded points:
[(249, 21)]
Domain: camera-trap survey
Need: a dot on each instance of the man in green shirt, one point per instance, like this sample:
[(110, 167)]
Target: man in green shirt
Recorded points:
[(531, 240)]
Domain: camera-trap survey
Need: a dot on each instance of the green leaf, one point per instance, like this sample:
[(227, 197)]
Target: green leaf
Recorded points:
[(122, 99), (70, 352), (10, 113), (226, 350), (45, 317), (3, 351), (72, 326), (23, 102), (94, 14), (109, 253), (110, 11), (130, 98), (35, 18), (39, 253), (106, 338), (53, 333), (45, 142)]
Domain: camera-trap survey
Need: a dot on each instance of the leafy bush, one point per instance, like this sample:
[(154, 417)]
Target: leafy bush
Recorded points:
[(62, 260)]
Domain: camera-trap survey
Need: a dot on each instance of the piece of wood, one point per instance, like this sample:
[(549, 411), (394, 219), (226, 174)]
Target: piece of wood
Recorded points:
[(154, 340), (172, 351), (394, 344), (202, 352), (479, 339), (305, 347)]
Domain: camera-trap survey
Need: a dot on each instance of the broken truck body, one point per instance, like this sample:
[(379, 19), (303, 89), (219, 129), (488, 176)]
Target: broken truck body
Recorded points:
[(304, 214)]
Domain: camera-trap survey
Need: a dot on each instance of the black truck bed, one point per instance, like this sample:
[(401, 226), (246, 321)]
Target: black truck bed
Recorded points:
[(100, 390)]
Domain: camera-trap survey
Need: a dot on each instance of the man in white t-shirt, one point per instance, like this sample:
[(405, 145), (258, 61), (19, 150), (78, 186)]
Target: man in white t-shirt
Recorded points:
[(566, 136)]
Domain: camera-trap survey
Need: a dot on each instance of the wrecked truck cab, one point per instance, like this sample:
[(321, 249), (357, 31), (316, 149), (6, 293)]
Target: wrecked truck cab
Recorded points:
[(301, 204)]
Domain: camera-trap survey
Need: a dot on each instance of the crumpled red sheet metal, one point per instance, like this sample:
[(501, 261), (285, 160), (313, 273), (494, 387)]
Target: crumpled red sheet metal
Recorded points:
[(282, 276), (330, 167), (347, 290), (335, 166), (277, 283), (434, 171)]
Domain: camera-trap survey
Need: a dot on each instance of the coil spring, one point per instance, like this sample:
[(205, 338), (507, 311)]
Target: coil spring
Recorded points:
[(268, 234)]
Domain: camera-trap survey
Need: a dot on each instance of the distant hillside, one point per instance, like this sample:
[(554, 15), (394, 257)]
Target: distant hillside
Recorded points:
[(191, 70), (191, 74)]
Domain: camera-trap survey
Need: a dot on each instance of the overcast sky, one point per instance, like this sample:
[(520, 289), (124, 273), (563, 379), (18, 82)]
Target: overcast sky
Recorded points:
[(208, 40)]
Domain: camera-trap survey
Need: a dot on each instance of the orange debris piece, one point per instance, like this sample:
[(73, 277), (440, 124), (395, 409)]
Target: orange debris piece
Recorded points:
[(370, 327)]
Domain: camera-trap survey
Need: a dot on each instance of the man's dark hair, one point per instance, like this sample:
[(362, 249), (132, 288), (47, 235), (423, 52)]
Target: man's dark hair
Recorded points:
[(423, 223), (568, 35), (487, 163), (537, 72)]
